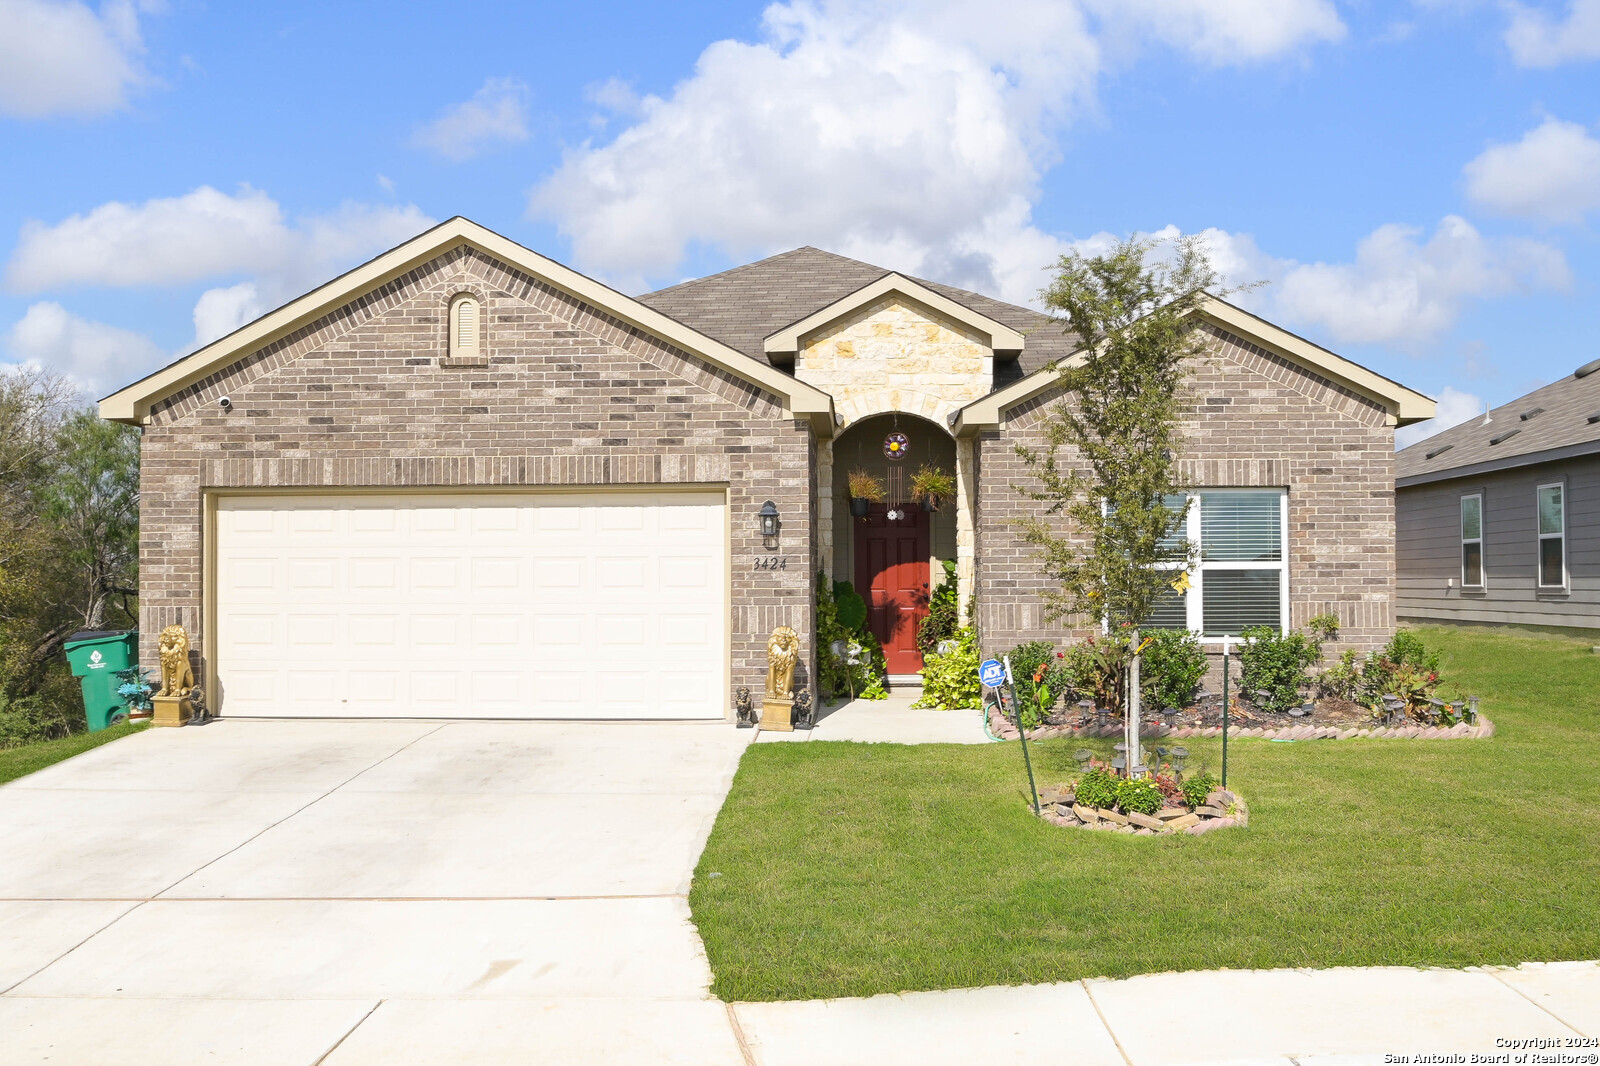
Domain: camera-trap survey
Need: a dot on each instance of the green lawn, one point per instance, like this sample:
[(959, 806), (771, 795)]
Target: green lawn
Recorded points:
[(17, 762), (852, 869)]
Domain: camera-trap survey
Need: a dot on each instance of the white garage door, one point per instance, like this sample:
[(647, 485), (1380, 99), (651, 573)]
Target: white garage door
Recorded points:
[(456, 606)]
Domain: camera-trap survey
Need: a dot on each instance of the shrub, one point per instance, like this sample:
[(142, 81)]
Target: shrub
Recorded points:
[(1139, 794), (1197, 788), (1404, 668), (1098, 788), (838, 676), (943, 616), (1274, 667), (950, 681), (1171, 668), (1094, 668), (1037, 659), (852, 608)]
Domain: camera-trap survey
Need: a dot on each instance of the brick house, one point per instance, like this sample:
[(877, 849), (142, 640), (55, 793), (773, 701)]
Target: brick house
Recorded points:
[(464, 480)]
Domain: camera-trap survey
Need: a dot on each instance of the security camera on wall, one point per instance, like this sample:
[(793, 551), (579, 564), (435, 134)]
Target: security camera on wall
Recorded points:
[(225, 403)]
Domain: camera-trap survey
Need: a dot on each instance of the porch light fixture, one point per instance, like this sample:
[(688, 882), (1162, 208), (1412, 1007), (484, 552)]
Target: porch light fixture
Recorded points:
[(767, 520)]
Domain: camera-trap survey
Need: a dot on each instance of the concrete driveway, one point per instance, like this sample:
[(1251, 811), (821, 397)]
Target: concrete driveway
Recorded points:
[(350, 892)]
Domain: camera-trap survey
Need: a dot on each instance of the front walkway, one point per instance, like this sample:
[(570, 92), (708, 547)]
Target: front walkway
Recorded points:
[(890, 721)]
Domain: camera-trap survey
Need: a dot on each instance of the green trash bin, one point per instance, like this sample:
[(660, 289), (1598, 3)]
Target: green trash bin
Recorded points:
[(95, 657)]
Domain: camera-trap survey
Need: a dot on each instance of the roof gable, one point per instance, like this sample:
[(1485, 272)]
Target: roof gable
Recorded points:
[(132, 403), (744, 306), (788, 339), (1403, 405)]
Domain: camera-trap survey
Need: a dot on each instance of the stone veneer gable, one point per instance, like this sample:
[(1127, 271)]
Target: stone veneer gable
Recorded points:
[(1257, 420), (896, 355), (568, 396)]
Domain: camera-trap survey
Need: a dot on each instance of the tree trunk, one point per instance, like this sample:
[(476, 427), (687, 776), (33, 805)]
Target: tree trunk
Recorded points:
[(1132, 716)]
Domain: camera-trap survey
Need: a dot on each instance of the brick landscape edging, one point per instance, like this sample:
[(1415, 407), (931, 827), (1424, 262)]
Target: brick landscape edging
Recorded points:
[(1156, 730)]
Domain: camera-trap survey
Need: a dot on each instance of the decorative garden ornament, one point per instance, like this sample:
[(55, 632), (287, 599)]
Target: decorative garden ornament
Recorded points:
[(783, 653)]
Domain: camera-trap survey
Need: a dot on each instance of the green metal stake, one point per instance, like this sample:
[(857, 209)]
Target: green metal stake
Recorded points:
[(1225, 671), (1022, 734)]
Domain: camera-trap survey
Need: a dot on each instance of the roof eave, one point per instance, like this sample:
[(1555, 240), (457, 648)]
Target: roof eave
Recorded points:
[(1508, 462)]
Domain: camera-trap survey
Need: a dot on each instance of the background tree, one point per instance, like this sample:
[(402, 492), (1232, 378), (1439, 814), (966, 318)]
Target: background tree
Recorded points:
[(1110, 465), (68, 545)]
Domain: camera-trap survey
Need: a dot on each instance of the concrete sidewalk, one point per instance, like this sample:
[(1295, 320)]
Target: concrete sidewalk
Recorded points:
[(889, 721), (1288, 1017)]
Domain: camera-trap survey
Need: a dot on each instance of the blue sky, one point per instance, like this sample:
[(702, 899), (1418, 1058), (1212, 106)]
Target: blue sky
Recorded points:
[(1417, 181)]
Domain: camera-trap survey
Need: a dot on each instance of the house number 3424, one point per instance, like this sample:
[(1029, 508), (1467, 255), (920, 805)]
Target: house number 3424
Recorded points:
[(772, 562)]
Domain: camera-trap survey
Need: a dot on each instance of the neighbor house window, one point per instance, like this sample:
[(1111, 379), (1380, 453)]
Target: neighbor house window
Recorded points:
[(1472, 542), (1552, 536), (1242, 579), (466, 326)]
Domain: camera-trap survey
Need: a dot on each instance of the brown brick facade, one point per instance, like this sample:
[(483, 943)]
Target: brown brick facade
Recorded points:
[(569, 397), (1258, 421)]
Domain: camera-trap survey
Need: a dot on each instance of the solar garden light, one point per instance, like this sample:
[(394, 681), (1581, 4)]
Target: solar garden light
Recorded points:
[(1139, 770), (1119, 764), (1178, 757), (1472, 710), (1083, 755), (767, 520), (1161, 756)]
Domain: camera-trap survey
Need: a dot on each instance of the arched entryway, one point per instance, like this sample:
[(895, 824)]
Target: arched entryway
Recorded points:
[(894, 553)]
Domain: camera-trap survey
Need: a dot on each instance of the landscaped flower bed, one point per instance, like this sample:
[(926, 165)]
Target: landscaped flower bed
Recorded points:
[(1193, 722), (1153, 805)]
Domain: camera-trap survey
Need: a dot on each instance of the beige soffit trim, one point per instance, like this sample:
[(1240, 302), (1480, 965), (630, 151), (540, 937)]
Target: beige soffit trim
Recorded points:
[(1404, 405), (1002, 338), (132, 404)]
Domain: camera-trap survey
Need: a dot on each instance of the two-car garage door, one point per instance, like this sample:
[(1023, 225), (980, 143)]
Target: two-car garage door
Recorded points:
[(581, 605)]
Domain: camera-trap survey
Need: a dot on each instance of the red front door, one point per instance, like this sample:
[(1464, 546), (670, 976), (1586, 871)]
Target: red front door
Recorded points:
[(892, 574)]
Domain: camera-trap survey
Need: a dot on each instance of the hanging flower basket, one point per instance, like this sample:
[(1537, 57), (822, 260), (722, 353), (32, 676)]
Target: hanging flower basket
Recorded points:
[(930, 486), (865, 488)]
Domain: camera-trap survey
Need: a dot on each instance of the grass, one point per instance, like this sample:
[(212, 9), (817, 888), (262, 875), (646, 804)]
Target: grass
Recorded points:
[(855, 869), (19, 762)]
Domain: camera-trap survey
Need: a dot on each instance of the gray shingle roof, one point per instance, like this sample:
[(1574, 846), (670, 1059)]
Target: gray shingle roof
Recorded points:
[(1559, 417), (743, 306)]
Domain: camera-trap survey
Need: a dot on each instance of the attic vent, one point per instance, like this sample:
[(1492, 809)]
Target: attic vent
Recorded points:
[(1587, 368), (466, 328), (1594, 418), (1438, 451), (1507, 435), (1531, 413)]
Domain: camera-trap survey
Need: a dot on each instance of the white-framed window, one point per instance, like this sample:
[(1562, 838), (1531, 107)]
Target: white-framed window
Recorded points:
[(466, 326), (1552, 518), (1472, 541), (1242, 579)]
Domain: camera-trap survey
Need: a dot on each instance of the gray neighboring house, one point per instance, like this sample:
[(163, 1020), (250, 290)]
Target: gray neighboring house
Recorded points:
[(1499, 519)]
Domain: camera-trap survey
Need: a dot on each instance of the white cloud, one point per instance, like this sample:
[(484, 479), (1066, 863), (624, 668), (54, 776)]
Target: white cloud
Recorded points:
[(1551, 175), (1401, 288), (1455, 407), (1537, 40), (1229, 31), (93, 354), (202, 234), (912, 133), (219, 312), (60, 58), (497, 113)]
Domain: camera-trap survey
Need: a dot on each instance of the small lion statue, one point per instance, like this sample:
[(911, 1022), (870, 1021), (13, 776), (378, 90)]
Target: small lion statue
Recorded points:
[(177, 677), (783, 651)]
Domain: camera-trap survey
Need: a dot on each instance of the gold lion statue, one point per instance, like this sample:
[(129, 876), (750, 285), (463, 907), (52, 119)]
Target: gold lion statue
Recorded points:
[(783, 651), (177, 677)]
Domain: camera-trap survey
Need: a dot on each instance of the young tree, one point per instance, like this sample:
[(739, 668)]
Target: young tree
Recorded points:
[(1110, 464), (91, 498)]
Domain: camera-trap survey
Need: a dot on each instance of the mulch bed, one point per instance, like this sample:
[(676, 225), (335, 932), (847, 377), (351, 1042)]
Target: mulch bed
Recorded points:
[(1330, 719)]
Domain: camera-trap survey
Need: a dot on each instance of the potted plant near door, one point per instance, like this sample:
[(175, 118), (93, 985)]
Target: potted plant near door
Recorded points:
[(930, 486), (865, 488)]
